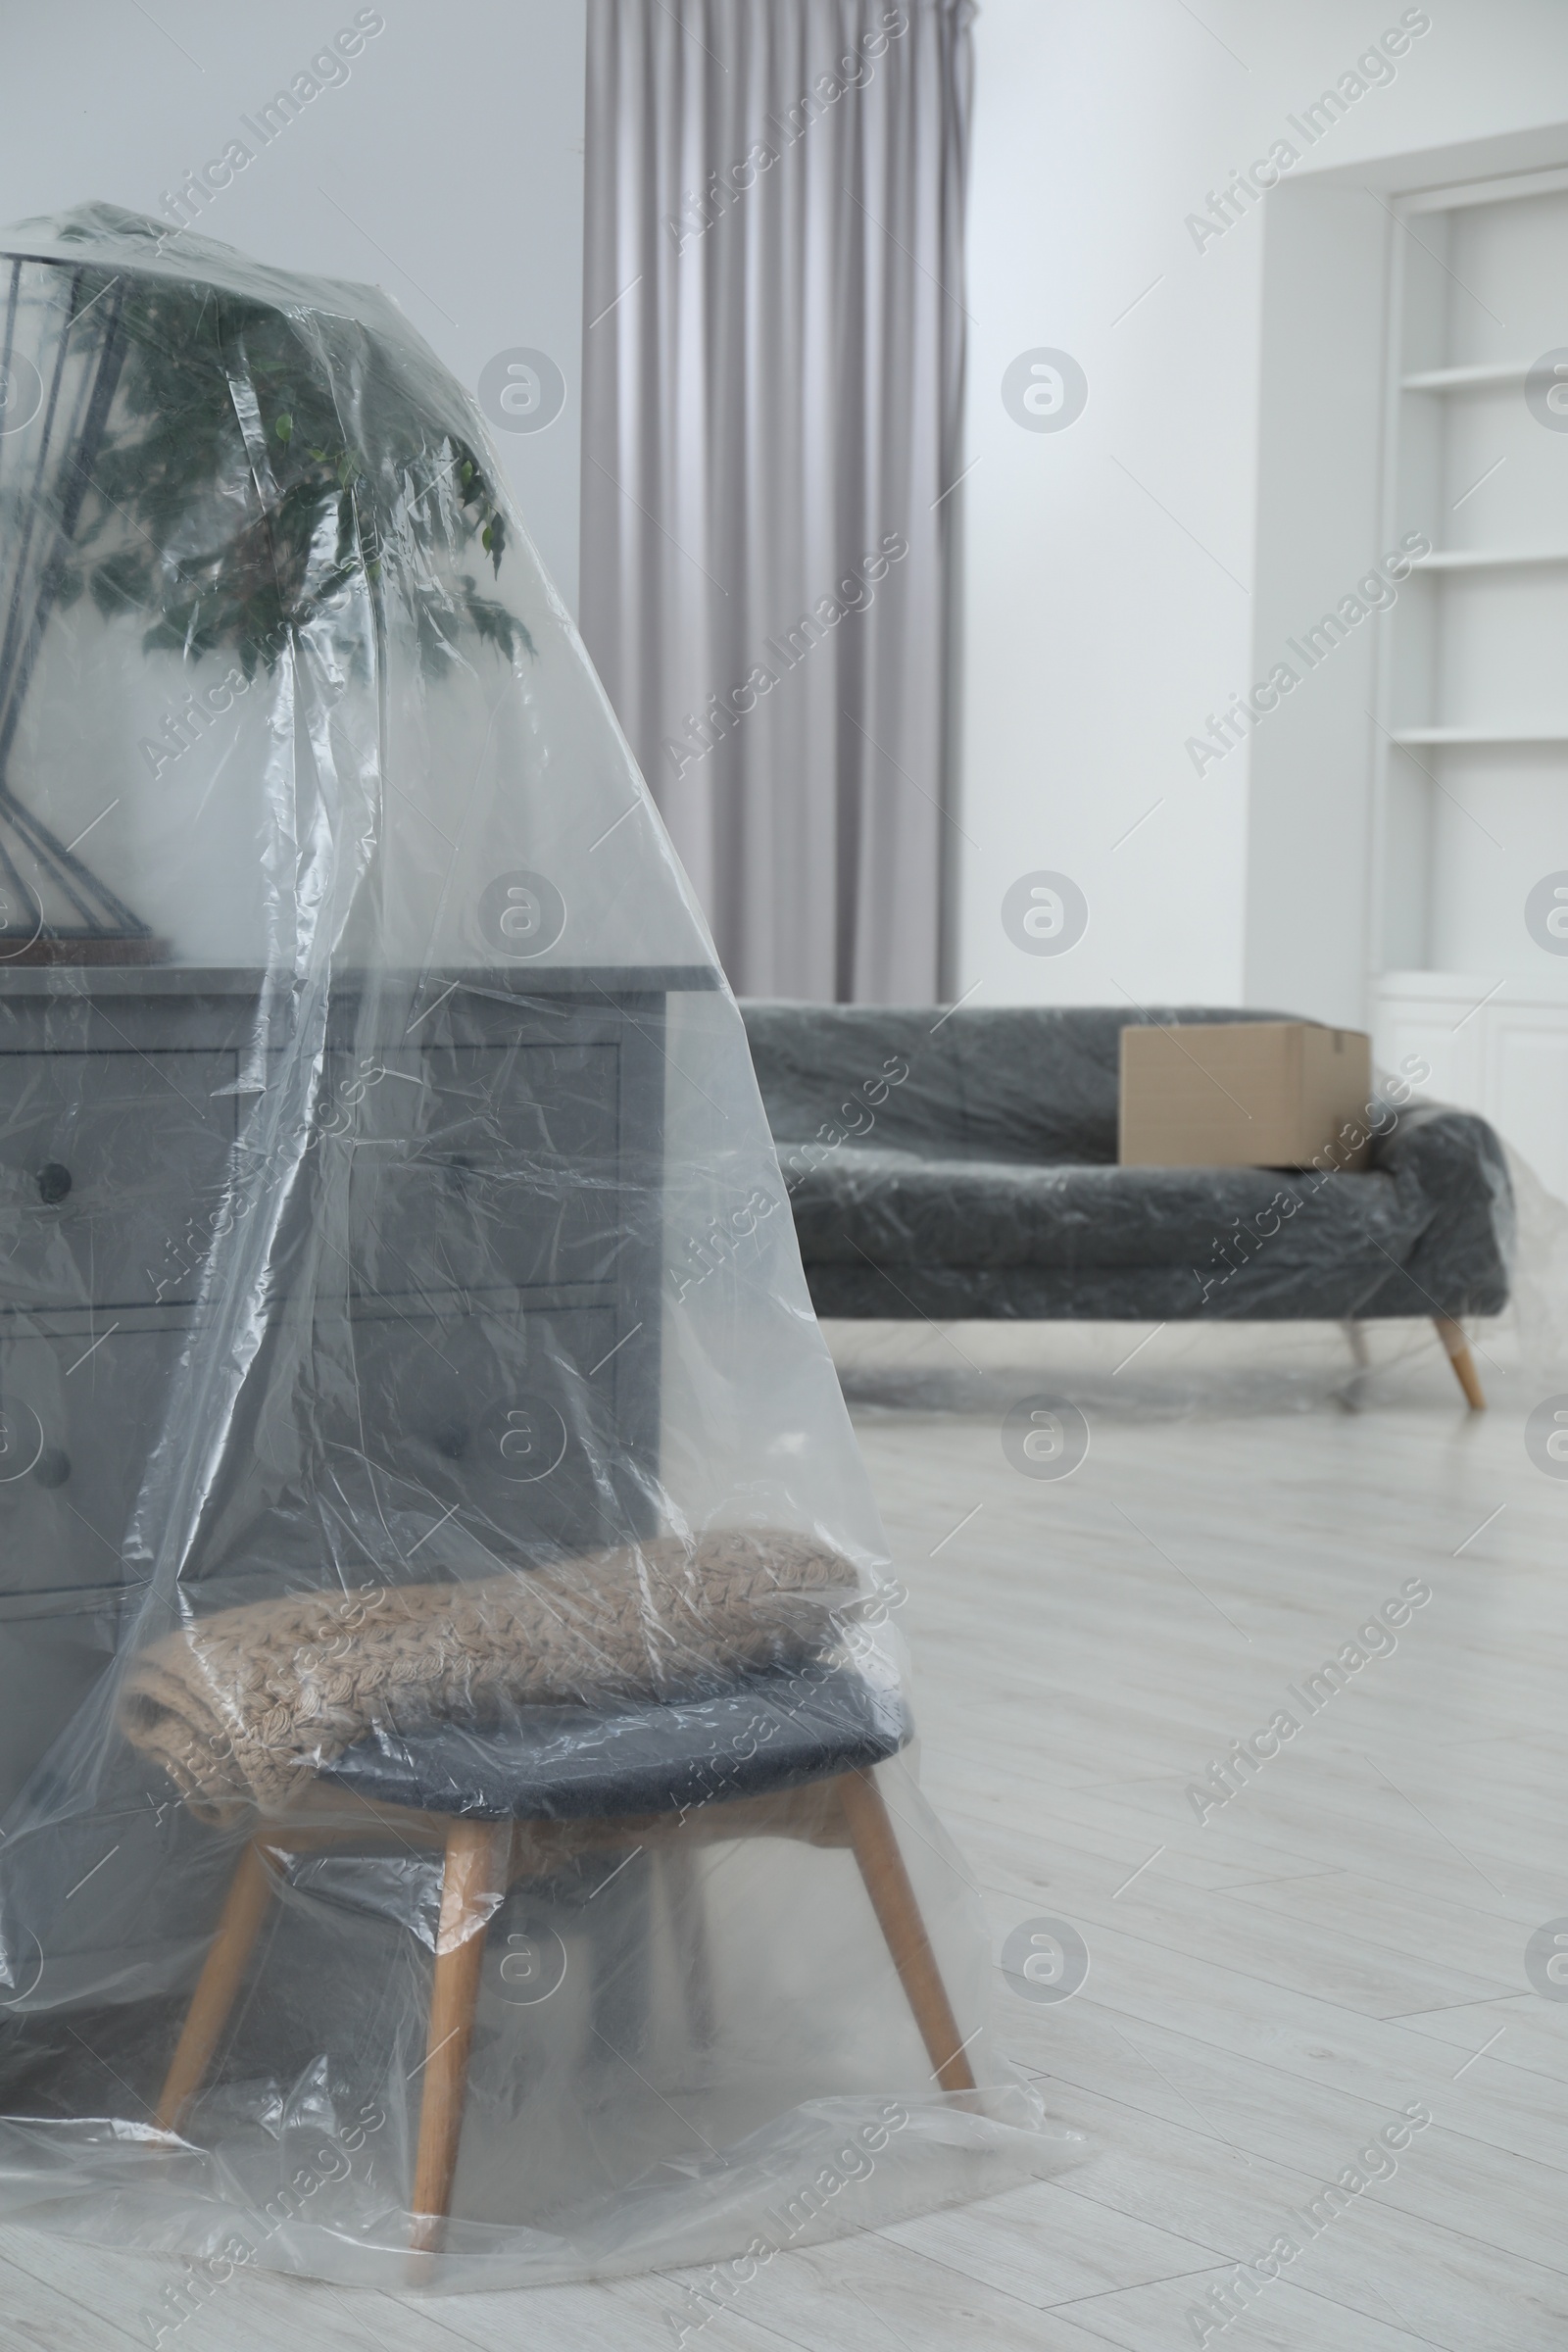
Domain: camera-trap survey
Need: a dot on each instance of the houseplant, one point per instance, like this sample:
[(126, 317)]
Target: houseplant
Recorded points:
[(195, 461)]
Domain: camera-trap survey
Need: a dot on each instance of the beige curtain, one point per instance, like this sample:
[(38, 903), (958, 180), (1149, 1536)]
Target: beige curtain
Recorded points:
[(772, 379)]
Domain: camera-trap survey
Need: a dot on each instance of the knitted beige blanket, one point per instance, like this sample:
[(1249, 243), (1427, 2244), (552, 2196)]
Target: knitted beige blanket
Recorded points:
[(242, 1708)]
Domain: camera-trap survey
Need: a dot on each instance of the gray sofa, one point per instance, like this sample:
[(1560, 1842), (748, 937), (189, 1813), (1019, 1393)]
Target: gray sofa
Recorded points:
[(964, 1164)]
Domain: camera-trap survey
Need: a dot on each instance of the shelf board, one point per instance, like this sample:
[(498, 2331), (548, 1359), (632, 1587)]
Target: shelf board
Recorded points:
[(1437, 982), (1486, 558), (1461, 196), (1482, 378), (1437, 985), (1445, 735)]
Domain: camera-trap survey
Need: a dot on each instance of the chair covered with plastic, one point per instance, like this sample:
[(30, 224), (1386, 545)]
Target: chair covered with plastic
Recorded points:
[(459, 1784)]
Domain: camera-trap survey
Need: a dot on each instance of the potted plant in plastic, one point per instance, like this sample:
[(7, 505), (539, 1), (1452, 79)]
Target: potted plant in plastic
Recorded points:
[(153, 400)]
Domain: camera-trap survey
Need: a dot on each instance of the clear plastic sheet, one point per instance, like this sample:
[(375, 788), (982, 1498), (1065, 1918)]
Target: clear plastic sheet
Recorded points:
[(442, 1610), (964, 1164)]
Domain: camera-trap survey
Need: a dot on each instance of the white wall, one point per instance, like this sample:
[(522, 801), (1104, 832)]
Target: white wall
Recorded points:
[(447, 169), (1107, 605)]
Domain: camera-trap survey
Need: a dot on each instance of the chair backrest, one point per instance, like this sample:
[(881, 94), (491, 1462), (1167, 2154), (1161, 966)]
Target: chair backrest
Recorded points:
[(1027, 1082)]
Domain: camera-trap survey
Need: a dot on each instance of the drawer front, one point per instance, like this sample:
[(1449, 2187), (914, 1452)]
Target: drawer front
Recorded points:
[(422, 1443), (48, 1667), (110, 1169), (487, 1168), (79, 1418), (519, 1423)]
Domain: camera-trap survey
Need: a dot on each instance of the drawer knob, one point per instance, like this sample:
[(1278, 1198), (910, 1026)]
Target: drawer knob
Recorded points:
[(53, 1466), (54, 1183)]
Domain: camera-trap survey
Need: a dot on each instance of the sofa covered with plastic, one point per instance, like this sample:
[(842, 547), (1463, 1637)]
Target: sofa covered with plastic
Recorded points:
[(963, 1163)]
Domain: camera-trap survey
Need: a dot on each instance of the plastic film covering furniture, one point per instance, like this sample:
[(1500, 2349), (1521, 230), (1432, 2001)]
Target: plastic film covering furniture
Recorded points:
[(963, 1163), (458, 1783)]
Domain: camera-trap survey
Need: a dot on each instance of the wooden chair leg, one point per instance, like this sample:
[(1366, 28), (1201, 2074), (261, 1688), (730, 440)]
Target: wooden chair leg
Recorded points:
[(476, 1874), (893, 1900), (249, 1899), (686, 1904), (1451, 1334)]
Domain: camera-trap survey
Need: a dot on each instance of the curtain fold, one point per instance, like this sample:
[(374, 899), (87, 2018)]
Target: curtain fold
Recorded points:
[(772, 387)]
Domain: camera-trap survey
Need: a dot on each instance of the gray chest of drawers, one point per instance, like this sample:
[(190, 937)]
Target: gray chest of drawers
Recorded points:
[(453, 1335)]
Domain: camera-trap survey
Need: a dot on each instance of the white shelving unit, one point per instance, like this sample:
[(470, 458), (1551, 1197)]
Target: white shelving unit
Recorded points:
[(1470, 782)]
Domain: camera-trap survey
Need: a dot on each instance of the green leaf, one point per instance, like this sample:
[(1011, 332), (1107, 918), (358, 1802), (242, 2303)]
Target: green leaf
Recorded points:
[(495, 624), (257, 562)]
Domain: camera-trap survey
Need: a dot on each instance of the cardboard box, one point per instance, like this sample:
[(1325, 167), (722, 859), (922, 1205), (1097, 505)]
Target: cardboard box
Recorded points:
[(1244, 1094)]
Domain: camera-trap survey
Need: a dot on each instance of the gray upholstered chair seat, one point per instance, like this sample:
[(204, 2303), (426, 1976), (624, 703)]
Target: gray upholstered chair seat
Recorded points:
[(772, 1732)]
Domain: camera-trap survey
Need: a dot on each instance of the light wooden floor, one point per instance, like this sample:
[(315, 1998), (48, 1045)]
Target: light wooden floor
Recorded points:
[(1265, 1991)]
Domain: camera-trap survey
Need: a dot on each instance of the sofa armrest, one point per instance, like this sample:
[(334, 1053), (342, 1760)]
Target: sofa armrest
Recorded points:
[(1453, 1162)]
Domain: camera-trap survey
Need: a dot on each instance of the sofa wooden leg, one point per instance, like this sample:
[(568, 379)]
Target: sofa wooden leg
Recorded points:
[(1451, 1334), (250, 1897), (893, 1898), (475, 1873)]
